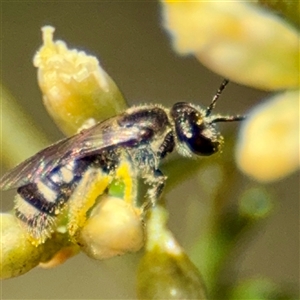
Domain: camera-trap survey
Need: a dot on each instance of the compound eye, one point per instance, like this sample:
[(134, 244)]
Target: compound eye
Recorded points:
[(192, 131)]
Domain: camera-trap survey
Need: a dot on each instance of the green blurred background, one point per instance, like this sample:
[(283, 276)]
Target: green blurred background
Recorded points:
[(132, 46)]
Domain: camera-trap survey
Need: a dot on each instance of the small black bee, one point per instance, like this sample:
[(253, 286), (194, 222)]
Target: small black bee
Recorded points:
[(140, 137)]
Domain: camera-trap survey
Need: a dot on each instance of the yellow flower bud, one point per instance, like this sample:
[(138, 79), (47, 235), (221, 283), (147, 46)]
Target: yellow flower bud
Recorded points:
[(114, 227), (77, 92), (165, 271), (18, 255), (268, 147)]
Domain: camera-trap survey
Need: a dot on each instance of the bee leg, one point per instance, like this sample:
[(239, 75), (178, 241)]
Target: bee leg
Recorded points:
[(167, 145), (156, 184), (93, 184)]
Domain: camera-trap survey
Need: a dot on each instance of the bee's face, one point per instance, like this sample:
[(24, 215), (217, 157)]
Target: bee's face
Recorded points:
[(194, 131)]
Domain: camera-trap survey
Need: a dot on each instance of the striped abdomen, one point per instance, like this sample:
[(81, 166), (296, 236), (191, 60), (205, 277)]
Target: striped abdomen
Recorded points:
[(38, 204)]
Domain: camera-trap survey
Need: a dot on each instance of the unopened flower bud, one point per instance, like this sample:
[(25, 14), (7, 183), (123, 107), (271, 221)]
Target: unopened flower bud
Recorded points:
[(165, 272), (114, 227), (268, 147), (18, 255)]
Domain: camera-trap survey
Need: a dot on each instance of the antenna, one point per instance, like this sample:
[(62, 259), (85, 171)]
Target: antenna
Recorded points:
[(228, 118), (212, 105)]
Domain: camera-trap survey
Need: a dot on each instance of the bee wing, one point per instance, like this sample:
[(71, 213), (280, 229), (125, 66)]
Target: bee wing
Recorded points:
[(88, 142)]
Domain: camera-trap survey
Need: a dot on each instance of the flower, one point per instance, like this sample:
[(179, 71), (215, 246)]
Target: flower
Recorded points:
[(249, 45), (165, 271), (77, 92)]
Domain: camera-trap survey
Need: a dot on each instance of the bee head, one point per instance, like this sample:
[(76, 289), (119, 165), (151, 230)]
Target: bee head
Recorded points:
[(195, 127)]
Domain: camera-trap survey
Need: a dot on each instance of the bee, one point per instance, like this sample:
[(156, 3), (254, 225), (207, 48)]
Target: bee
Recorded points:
[(73, 172)]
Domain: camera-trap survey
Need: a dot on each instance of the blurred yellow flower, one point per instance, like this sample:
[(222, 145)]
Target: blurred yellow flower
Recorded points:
[(249, 45), (237, 40), (269, 141)]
